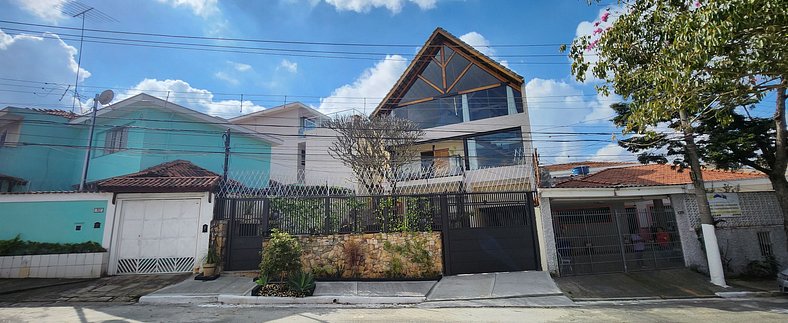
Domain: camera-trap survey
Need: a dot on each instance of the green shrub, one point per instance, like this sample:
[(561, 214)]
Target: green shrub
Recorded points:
[(17, 246), (396, 268), (301, 283), (212, 257), (414, 250), (766, 268), (281, 255), (262, 280)]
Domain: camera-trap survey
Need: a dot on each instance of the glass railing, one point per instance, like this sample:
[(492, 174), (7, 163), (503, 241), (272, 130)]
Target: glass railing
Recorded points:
[(432, 167)]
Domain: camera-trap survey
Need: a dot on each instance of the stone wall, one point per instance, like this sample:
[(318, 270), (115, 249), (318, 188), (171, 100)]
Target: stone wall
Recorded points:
[(328, 255), (218, 239)]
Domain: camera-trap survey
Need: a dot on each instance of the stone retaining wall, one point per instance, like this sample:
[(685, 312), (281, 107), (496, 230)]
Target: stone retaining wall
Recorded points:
[(328, 255)]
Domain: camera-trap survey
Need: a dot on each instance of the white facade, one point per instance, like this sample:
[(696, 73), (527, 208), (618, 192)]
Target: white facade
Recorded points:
[(303, 156)]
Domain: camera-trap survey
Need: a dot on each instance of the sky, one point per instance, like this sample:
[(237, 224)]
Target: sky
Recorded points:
[(39, 46)]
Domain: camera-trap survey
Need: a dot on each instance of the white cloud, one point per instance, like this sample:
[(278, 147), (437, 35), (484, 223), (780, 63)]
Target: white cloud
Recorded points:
[(44, 58), (483, 45), (226, 77), (184, 94), (202, 8), (558, 106), (363, 6), (613, 152), (241, 67), (289, 66), (373, 84), (49, 10)]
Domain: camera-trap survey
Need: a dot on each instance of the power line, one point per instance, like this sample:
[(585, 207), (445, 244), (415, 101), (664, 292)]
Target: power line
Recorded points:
[(288, 42)]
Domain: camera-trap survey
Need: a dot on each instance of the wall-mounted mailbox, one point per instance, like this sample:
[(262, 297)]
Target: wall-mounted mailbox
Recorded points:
[(204, 228)]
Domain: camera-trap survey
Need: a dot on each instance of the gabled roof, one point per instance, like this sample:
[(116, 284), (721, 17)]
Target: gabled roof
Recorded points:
[(153, 101), (174, 176), (59, 113), (591, 164), (650, 175), (277, 110), (422, 58)]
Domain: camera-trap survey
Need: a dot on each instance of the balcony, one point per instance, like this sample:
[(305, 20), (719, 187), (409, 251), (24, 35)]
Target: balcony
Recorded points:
[(432, 167)]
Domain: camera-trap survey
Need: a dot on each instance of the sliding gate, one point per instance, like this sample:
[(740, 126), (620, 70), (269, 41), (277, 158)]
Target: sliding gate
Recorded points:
[(599, 240)]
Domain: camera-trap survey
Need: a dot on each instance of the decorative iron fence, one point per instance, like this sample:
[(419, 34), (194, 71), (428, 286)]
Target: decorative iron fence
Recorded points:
[(363, 214), (599, 240)]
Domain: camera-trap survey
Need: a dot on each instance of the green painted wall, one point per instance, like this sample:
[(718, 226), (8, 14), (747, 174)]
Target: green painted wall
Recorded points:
[(52, 221)]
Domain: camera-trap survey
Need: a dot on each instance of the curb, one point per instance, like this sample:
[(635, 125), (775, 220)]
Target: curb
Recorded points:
[(491, 297), (263, 300), (746, 294), (178, 299)]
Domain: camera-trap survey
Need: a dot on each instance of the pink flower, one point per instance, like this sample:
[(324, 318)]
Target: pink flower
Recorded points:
[(596, 24), (605, 16), (592, 45), (598, 31), (697, 4)]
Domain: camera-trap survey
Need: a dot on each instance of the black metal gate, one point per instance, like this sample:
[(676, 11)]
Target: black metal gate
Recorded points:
[(599, 240), (247, 224), (489, 232)]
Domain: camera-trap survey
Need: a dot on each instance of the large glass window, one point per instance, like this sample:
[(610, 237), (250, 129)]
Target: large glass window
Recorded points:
[(498, 101), (475, 77), (495, 150), (488, 103), (419, 90), (435, 113)]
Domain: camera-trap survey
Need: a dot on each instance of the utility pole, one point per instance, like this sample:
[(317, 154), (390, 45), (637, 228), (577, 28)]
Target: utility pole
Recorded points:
[(103, 98), (90, 145), (226, 137)]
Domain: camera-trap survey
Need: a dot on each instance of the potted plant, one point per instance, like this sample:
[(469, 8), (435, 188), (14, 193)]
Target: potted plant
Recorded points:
[(209, 265)]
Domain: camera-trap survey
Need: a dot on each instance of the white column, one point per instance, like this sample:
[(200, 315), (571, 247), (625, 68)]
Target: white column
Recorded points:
[(466, 113), (510, 101)]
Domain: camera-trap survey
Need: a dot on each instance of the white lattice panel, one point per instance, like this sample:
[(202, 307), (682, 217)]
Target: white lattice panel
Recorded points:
[(155, 265)]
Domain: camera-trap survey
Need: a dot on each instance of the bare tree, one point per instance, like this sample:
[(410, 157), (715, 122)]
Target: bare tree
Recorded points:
[(376, 149)]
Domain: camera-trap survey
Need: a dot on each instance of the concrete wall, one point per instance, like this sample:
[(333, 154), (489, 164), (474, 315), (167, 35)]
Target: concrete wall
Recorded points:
[(547, 238), (70, 265), (737, 236), (329, 251), (45, 154), (55, 217)]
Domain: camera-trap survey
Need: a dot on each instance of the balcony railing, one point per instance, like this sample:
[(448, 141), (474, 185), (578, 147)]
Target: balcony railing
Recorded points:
[(433, 167)]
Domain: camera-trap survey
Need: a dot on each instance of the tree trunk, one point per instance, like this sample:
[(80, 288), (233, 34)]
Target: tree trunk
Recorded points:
[(707, 222), (777, 175)]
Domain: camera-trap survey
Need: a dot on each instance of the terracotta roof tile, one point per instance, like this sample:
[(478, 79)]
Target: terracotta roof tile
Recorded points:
[(592, 164), (60, 113), (174, 176), (650, 175)]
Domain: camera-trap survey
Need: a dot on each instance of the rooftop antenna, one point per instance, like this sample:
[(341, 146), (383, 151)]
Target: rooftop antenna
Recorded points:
[(76, 9)]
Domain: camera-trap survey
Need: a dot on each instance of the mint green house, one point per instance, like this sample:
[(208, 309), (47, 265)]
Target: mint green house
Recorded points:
[(43, 150)]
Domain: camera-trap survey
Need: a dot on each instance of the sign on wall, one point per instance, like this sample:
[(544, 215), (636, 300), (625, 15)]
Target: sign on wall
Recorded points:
[(724, 204)]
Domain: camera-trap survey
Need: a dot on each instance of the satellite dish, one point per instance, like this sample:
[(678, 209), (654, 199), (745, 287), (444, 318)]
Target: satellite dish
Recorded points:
[(106, 96)]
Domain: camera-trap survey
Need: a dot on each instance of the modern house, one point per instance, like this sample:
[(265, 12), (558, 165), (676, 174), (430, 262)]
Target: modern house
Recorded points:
[(46, 148), (474, 113), (645, 217)]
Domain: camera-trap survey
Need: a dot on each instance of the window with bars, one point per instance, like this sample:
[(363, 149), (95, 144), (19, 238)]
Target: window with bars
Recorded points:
[(116, 140), (765, 243)]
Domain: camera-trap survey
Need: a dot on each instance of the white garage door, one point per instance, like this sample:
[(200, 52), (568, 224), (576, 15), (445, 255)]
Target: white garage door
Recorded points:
[(157, 236)]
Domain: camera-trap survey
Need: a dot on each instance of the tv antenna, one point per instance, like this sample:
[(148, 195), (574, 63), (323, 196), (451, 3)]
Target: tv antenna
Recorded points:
[(76, 9)]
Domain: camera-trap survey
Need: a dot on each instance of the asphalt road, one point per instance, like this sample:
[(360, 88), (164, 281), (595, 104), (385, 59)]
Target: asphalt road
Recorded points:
[(707, 310)]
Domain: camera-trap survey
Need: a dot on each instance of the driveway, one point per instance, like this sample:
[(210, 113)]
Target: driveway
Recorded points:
[(126, 288), (673, 283), (505, 285)]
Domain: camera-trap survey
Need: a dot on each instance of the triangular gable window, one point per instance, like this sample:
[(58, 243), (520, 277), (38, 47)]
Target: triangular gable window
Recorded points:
[(448, 71), (419, 90), (475, 77)]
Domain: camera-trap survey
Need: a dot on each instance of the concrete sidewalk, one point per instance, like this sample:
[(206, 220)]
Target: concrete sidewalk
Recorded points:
[(494, 286), (192, 291)]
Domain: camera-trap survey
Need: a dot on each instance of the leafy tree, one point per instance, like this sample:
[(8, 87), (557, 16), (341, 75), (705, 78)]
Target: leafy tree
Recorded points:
[(376, 149), (690, 64)]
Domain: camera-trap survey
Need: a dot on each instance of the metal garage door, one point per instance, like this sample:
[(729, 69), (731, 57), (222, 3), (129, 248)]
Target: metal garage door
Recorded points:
[(490, 232), (157, 236)]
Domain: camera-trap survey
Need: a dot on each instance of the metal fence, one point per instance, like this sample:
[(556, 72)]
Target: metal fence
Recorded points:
[(598, 240)]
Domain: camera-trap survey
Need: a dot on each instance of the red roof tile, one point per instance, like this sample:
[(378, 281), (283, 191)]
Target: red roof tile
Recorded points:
[(592, 164), (60, 113), (650, 175), (174, 176)]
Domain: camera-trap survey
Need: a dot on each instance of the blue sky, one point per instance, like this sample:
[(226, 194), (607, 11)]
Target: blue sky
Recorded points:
[(213, 82)]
